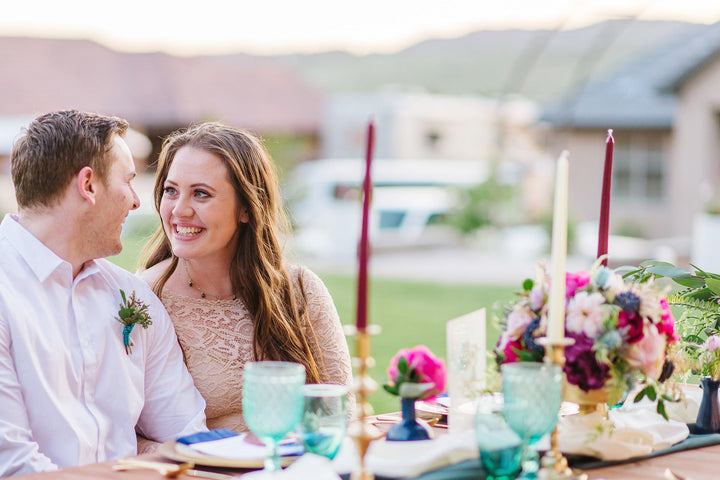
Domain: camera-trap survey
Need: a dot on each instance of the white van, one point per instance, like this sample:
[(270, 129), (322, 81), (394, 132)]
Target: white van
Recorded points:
[(409, 198)]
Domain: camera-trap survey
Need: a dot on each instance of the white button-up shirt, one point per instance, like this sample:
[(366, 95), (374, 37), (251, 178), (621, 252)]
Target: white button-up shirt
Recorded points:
[(69, 393)]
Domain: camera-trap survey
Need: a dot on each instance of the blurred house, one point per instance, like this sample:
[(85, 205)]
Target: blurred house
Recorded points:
[(421, 125), (664, 108), (409, 201), (428, 146), (465, 128), (157, 93)]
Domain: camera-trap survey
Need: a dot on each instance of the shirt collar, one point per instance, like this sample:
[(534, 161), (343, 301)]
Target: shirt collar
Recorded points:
[(41, 260)]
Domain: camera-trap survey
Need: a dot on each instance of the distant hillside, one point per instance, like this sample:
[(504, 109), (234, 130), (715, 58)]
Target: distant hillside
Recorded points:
[(545, 63)]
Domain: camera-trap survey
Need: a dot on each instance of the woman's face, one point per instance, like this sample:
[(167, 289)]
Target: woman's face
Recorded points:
[(199, 209)]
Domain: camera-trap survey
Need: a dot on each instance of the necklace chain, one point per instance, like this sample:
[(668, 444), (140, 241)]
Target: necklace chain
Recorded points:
[(191, 284)]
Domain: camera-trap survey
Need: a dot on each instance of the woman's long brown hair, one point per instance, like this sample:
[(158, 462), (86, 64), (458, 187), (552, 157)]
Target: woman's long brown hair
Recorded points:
[(256, 270)]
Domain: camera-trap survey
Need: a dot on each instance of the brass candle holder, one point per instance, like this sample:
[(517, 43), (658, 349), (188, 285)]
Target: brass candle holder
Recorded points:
[(554, 465), (360, 429)]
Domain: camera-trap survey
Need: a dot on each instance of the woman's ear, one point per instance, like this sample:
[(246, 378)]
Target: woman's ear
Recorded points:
[(243, 217), (85, 184)]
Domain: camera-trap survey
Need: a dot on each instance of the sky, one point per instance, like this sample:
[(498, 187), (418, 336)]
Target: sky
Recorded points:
[(268, 27)]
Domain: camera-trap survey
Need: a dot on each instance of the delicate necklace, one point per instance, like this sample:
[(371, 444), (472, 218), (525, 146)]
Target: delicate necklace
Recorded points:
[(202, 293)]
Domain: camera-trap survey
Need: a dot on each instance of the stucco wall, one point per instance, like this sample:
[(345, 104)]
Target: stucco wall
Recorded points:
[(695, 159)]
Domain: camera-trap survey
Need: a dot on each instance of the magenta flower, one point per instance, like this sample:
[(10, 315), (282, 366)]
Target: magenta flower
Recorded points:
[(575, 281), (632, 326), (417, 365), (666, 326), (581, 367), (510, 351)]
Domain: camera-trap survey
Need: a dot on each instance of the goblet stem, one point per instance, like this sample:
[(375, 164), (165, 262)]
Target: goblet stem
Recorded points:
[(530, 463), (272, 461)]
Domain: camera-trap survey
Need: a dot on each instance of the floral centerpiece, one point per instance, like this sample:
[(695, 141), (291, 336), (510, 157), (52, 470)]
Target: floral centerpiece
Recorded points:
[(621, 331), (414, 374)]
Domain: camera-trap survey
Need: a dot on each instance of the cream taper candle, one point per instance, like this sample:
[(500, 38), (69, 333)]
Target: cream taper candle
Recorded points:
[(558, 252)]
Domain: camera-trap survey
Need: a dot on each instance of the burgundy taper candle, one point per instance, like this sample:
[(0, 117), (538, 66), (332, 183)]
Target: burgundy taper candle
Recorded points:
[(363, 248), (605, 200)]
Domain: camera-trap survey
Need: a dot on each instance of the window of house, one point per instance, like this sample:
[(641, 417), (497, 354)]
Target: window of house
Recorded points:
[(639, 168)]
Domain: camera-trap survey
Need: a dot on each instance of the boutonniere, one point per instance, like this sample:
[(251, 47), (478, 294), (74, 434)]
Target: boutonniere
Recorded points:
[(132, 311)]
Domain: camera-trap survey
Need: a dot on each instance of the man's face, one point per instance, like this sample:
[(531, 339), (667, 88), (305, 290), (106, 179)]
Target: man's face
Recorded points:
[(115, 199)]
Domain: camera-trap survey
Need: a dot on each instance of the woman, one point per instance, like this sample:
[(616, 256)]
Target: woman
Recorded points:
[(217, 265)]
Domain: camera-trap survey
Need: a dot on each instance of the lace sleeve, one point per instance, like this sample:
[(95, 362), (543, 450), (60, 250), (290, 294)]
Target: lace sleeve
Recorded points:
[(326, 337)]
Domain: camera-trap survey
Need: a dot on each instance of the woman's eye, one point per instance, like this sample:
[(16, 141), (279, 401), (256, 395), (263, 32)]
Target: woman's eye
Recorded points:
[(169, 191), (201, 193)]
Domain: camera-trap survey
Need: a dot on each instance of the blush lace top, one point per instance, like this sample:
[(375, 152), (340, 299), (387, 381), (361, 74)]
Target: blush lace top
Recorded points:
[(216, 339)]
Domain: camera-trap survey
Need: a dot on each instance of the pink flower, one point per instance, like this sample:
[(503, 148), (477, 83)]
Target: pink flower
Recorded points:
[(585, 314), (423, 367), (537, 297), (712, 343), (648, 354), (517, 322), (509, 350), (632, 325), (666, 325), (575, 281)]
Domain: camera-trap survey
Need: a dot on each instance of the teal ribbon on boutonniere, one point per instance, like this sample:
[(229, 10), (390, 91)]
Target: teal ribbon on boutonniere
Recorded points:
[(132, 311)]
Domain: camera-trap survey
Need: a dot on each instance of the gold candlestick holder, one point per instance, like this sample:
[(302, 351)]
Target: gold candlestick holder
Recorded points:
[(554, 465), (360, 430)]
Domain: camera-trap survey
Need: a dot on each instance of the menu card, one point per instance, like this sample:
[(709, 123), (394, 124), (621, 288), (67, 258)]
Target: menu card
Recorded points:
[(466, 362)]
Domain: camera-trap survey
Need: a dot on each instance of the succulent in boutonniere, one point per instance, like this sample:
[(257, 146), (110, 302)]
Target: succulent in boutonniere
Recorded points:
[(132, 311), (416, 374)]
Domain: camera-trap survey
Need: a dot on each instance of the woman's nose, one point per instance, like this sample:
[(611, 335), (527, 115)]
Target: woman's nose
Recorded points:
[(182, 207)]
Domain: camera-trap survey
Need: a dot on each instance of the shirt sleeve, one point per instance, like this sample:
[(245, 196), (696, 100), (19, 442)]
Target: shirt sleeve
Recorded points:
[(326, 337), (173, 406), (19, 453)]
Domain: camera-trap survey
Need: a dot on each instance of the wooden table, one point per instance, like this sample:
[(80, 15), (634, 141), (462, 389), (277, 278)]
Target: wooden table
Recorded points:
[(104, 471), (698, 464)]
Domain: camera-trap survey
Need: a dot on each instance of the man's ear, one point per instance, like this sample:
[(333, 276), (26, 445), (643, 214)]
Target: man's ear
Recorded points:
[(85, 184)]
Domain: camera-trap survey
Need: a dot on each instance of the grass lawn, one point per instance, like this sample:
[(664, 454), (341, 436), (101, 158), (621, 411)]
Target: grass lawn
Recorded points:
[(409, 313)]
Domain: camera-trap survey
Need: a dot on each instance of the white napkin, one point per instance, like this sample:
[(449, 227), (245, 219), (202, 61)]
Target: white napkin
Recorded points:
[(308, 466), (631, 431), (236, 448), (410, 459), (685, 410)]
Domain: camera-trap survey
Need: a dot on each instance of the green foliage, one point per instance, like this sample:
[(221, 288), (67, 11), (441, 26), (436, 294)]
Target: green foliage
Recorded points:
[(697, 298), (481, 205), (288, 150)]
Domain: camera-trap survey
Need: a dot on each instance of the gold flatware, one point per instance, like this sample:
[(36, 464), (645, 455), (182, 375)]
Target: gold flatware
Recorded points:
[(204, 474), (670, 475), (169, 470)]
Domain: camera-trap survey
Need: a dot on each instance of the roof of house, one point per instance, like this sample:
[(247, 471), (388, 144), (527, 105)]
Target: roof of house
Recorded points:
[(154, 89), (642, 93)]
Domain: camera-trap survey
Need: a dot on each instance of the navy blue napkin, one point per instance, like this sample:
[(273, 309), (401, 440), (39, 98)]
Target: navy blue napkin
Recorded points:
[(216, 434)]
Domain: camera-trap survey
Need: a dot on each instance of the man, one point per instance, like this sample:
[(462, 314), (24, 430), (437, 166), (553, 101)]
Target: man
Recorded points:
[(74, 383)]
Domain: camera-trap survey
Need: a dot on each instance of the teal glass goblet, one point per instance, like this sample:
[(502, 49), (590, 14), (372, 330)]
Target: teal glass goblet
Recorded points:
[(324, 419), (272, 403), (500, 446), (536, 389)]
